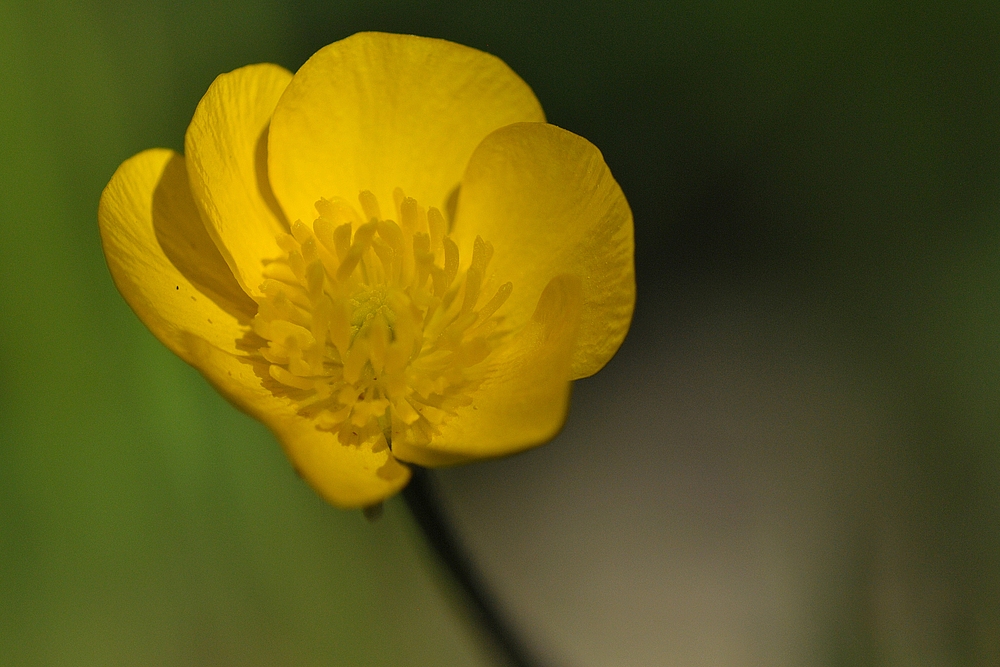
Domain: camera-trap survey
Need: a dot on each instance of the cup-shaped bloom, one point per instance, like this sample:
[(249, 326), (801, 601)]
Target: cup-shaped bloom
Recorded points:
[(388, 257)]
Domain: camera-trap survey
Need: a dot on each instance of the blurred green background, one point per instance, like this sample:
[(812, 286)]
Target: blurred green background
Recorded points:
[(840, 157)]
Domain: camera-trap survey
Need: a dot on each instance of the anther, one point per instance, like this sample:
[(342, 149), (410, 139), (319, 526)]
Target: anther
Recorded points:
[(450, 261), (408, 214), (369, 204), (486, 312), (438, 227)]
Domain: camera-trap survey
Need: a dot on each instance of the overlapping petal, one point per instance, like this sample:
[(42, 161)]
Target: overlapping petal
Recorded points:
[(162, 260), (171, 274), (226, 151), (376, 111), (524, 397), (548, 202)]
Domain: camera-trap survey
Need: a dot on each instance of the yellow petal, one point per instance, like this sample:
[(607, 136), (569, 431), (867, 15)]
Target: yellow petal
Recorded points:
[(377, 111), (162, 259), (226, 150), (524, 398), (170, 272), (345, 475), (547, 201)]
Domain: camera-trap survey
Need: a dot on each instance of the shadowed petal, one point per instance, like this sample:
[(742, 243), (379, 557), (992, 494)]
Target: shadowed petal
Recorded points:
[(226, 150), (172, 275), (547, 201), (524, 398), (162, 259)]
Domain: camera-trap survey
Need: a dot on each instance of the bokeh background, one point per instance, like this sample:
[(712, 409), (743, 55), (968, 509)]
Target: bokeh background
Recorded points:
[(794, 459)]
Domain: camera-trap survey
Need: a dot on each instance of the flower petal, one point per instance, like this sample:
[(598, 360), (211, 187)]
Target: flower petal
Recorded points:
[(345, 475), (549, 205), (162, 259), (226, 150), (172, 275), (378, 111), (524, 397)]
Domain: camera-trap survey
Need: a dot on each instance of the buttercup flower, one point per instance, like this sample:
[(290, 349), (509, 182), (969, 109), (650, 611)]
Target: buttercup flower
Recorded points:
[(388, 257)]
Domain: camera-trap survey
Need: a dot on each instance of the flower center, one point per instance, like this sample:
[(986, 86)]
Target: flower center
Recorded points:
[(370, 328)]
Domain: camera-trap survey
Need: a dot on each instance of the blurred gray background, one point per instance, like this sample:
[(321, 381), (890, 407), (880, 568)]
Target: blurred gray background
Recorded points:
[(793, 460)]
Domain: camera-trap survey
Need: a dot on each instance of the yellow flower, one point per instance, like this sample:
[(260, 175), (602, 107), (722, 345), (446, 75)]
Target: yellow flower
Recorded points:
[(386, 257)]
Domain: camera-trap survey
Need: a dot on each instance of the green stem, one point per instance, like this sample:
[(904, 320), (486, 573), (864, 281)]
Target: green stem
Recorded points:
[(426, 509)]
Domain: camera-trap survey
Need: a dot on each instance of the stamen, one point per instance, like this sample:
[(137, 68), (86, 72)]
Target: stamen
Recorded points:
[(408, 214), (450, 261), (369, 205), (482, 253), (300, 232), (362, 240), (342, 240), (438, 227), (324, 229), (364, 325), (473, 281), (486, 312)]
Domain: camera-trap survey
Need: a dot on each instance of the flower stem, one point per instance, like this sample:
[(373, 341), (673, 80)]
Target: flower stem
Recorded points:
[(426, 509)]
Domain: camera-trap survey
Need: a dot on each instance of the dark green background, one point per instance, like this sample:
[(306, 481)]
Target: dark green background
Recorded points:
[(841, 154)]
